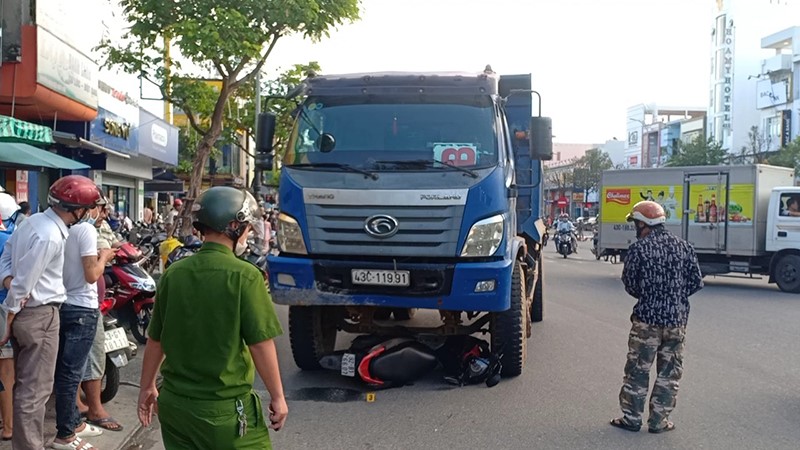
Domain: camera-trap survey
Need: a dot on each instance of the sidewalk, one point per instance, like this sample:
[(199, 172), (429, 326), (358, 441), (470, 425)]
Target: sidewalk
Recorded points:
[(122, 408)]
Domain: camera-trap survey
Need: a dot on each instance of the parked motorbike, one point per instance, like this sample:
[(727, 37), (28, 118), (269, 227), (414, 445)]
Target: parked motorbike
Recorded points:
[(119, 351), (564, 243), (132, 289), (545, 238)]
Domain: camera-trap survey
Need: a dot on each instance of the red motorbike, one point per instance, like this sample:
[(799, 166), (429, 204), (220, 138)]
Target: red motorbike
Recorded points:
[(132, 289)]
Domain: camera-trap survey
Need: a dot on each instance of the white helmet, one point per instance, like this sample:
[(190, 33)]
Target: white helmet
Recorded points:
[(648, 212), (8, 206)]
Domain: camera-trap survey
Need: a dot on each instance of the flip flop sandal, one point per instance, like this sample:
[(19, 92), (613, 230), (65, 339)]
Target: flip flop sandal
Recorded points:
[(621, 423), (104, 423), (89, 431), (668, 427), (75, 444)]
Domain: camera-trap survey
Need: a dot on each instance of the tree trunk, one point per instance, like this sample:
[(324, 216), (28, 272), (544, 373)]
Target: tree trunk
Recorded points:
[(204, 148)]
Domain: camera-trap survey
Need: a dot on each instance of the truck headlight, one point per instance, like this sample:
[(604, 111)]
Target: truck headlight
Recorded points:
[(290, 236), (484, 237)]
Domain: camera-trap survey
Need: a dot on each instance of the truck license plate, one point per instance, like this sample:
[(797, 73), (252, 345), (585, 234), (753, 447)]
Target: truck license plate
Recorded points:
[(349, 365), (381, 277), (116, 339)]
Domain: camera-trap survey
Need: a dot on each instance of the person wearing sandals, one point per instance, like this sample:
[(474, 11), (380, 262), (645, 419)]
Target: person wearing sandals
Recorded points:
[(661, 271), (93, 408), (213, 327), (31, 268), (83, 265)]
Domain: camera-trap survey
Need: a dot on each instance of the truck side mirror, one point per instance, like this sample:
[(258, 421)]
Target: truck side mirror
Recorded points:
[(541, 138), (265, 134)]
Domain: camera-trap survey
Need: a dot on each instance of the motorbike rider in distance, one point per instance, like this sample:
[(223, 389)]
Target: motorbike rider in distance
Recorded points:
[(566, 226)]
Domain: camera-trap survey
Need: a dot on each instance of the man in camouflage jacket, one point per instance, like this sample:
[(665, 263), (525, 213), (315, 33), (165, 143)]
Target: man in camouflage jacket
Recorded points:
[(661, 271)]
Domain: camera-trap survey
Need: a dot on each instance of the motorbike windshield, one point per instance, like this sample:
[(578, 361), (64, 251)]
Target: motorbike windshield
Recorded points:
[(393, 134)]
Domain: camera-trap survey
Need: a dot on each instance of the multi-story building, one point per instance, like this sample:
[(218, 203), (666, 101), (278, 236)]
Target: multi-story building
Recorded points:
[(653, 131), (736, 66), (777, 98), (49, 85)]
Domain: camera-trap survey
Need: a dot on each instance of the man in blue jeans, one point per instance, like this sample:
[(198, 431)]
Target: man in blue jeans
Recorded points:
[(83, 265)]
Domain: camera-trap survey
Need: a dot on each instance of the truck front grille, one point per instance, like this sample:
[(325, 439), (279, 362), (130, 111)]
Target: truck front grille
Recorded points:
[(428, 231)]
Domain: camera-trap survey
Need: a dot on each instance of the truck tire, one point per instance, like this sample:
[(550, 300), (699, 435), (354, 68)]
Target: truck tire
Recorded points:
[(508, 328), (537, 305), (110, 381), (312, 333), (787, 273)]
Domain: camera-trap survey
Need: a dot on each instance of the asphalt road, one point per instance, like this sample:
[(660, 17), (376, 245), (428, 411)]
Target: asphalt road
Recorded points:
[(739, 391)]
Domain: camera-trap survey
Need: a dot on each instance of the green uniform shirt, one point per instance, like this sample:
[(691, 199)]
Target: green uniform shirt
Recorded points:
[(209, 308)]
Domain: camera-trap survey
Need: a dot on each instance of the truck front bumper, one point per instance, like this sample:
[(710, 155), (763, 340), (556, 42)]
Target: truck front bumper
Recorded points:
[(441, 286)]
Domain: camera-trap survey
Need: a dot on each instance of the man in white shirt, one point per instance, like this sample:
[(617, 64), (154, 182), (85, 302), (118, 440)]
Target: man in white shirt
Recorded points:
[(31, 268), (83, 265)]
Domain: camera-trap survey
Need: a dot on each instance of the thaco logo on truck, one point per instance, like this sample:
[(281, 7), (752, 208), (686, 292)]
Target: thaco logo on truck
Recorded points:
[(621, 196)]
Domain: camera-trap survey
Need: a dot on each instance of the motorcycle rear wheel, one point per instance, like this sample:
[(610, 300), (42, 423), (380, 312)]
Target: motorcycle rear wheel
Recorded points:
[(110, 381), (140, 322)]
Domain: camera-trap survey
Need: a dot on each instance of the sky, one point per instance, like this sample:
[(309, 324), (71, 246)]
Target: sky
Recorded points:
[(590, 59)]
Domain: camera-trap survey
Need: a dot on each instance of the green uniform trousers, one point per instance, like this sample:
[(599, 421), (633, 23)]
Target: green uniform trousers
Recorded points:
[(211, 424)]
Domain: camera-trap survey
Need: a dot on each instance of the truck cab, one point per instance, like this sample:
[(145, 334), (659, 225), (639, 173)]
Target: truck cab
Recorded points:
[(405, 191)]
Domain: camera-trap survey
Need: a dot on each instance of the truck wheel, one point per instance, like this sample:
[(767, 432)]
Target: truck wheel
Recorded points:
[(787, 273), (537, 306), (110, 381), (508, 328), (312, 333)]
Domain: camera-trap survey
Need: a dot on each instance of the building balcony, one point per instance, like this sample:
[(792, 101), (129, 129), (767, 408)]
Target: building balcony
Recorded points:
[(777, 63)]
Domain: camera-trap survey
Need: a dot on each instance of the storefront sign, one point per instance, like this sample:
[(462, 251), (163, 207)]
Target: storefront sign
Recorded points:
[(157, 139), (22, 186), (65, 69), (578, 197), (786, 127), (771, 94), (115, 132)]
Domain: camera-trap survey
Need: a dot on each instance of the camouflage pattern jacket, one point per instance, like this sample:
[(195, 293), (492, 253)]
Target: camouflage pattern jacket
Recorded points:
[(661, 272)]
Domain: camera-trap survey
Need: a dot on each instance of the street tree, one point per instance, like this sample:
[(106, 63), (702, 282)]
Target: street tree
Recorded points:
[(589, 169), (758, 148), (178, 45), (788, 156), (698, 152)]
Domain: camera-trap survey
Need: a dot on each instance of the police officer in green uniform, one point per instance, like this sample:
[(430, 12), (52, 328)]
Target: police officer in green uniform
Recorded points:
[(213, 325)]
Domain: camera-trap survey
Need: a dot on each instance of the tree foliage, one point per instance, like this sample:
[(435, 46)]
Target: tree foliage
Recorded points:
[(698, 152), (224, 40), (758, 148), (589, 169), (788, 156)]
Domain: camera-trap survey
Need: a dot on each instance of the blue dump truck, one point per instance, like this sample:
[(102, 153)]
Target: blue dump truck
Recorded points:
[(406, 191)]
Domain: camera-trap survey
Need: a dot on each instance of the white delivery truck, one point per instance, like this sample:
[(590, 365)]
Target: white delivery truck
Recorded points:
[(740, 219)]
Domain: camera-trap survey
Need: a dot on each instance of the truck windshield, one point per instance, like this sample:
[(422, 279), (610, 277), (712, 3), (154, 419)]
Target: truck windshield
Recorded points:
[(369, 132)]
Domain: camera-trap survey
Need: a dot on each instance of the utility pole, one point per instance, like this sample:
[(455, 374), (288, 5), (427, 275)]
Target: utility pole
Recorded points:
[(256, 169)]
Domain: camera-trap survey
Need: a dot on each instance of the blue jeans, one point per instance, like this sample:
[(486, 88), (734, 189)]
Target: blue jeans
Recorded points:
[(78, 326)]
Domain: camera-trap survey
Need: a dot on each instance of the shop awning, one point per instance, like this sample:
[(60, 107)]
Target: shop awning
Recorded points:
[(15, 130), (73, 141), (20, 155)]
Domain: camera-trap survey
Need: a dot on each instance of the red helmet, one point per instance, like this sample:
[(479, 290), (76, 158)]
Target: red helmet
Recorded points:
[(74, 192), (177, 203), (648, 212)]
